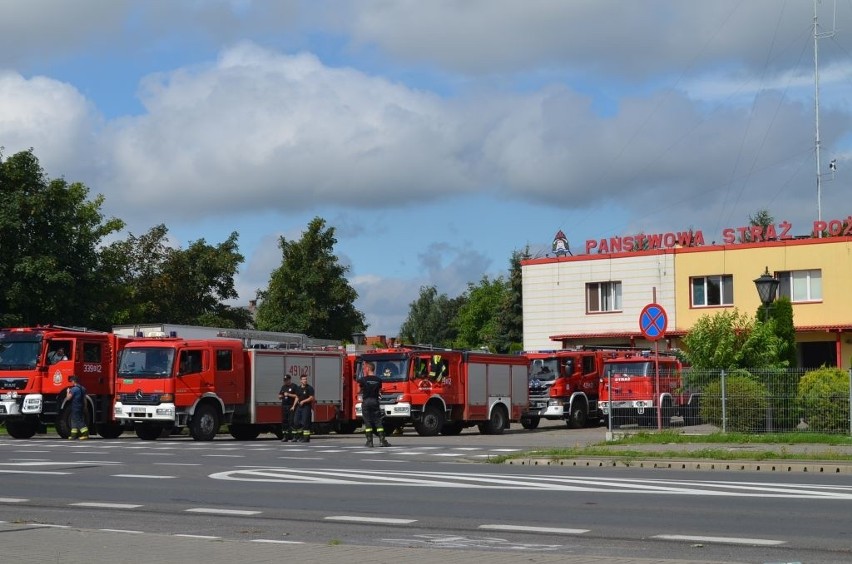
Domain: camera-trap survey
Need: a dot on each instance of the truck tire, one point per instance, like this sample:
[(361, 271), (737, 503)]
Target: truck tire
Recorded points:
[(22, 428), (244, 432), (668, 411), (579, 415), (430, 422), (528, 422), (205, 423), (109, 430), (63, 422), (496, 424), (148, 431)]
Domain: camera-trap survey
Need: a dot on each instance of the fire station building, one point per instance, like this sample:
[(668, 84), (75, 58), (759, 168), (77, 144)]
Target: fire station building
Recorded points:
[(596, 298)]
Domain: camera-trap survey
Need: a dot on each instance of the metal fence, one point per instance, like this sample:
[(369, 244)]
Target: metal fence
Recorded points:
[(751, 401)]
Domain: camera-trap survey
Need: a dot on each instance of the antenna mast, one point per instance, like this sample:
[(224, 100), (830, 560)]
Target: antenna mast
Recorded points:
[(817, 36)]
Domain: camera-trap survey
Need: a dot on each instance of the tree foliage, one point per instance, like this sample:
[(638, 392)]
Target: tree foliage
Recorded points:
[(730, 339), (309, 292), (430, 318), (477, 318), (510, 318), (50, 233)]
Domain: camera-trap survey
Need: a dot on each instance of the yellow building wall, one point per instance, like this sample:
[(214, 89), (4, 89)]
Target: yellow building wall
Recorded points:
[(833, 256)]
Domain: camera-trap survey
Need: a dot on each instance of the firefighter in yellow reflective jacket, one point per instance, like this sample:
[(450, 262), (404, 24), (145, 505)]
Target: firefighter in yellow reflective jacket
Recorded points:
[(438, 369)]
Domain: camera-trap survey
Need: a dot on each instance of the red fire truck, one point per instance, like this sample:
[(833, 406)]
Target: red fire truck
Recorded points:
[(35, 364), (171, 383), (445, 391), (563, 384), (640, 382)]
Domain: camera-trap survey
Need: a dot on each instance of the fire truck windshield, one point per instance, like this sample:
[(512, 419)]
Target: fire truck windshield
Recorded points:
[(645, 368), (544, 369), (146, 362), (18, 353), (390, 368)]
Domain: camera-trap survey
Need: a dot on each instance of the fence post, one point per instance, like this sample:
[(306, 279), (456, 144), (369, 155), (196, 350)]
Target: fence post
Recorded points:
[(850, 401), (724, 411)]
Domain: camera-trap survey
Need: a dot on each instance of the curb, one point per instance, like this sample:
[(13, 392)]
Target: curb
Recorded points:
[(810, 467)]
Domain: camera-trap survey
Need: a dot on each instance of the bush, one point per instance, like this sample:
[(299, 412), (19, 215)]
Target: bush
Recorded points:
[(823, 399), (745, 403)]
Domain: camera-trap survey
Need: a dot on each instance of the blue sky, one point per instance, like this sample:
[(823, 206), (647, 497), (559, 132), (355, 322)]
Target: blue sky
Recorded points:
[(435, 137)]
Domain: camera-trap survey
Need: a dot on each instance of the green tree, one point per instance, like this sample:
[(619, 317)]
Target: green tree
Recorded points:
[(781, 313), (185, 286), (309, 292), (52, 270), (430, 318), (729, 340), (477, 319), (510, 318)]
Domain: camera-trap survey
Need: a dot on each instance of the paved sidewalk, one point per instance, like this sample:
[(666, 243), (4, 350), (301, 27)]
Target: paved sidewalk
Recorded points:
[(28, 544)]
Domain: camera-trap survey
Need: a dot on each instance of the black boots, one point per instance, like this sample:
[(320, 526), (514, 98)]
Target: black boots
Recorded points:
[(382, 440), (369, 442)]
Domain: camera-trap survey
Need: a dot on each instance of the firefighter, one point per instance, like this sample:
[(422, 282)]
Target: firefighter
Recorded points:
[(77, 396), (371, 391), (288, 395), (304, 410), (438, 370)]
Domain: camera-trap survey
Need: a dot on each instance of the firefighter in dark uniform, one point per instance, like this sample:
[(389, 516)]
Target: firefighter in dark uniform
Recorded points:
[(304, 410), (288, 395), (371, 390)]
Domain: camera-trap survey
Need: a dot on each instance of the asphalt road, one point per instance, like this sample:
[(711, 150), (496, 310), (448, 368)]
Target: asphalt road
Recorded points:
[(428, 492)]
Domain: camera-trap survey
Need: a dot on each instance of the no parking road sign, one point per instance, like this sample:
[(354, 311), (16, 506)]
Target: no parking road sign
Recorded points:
[(653, 322)]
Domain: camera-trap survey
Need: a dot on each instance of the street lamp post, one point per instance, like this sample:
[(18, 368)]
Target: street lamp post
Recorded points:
[(767, 287)]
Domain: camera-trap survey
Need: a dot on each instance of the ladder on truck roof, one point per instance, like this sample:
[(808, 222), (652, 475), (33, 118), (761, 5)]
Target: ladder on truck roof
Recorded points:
[(274, 339)]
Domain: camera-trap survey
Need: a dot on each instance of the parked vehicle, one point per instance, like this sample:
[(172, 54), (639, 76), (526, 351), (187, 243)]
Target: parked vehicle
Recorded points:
[(35, 364), (445, 391), (564, 384), (646, 388), (169, 383)]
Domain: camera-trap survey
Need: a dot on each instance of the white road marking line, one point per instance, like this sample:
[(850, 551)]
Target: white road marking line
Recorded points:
[(106, 505), (177, 464), (33, 451), (526, 528), (49, 526), (12, 500), (225, 455), (356, 519), (721, 540), (207, 537), (273, 541), (143, 476), (128, 531), (33, 472), (221, 511)]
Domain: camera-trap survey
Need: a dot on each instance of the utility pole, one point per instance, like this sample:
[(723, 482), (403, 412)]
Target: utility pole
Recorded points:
[(817, 36)]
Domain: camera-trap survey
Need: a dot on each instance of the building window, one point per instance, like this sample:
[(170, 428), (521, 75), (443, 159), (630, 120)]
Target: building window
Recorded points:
[(800, 285), (603, 296), (713, 291)]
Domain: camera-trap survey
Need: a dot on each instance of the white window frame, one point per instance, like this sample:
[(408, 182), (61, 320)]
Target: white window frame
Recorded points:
[(725, 283), (800, 286), (607, 295)]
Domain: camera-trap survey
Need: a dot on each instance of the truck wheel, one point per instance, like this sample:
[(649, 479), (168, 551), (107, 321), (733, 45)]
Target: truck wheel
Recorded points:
[(496, 423), (530, 422), (204, 424), (244, 432), (148, 431), (452, 428), (63, 422), (430, 422), (22, 428), (110, 430), (668, 411), (579, 415)]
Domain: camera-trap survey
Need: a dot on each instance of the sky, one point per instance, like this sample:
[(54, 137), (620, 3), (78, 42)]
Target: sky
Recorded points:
[(437, 137)]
